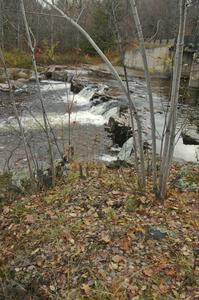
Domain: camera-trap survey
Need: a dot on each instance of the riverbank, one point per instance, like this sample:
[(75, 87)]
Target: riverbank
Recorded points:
[(97, 237)]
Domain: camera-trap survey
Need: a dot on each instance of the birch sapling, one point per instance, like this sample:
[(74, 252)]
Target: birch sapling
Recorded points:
[(32, 48), (120, 83), (149, 89)]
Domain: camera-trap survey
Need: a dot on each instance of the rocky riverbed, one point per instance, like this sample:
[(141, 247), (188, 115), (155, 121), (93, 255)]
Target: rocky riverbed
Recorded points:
[(96, 102)]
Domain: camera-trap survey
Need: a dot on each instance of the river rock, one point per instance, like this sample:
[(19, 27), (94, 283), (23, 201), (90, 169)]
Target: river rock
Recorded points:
[(111, 113), (101, 73), (22, 75), (120, 132), (20, 178), (99, 98), (127, 151), (4, 87), (61, 167), (59, 76), (15, 84), (58, 73), (190, 138), (187, 178), (76, 86), (40, 76), (22, 90), (2, 78), (157, 233), (22, 80), (44, 174)]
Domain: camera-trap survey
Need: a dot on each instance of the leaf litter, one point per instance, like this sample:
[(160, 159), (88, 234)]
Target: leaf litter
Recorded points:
[(100, 238)]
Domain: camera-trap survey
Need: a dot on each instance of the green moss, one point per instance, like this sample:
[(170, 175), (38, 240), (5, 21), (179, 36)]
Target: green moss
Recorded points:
[(50, 199), (111, 214), (132, 204)]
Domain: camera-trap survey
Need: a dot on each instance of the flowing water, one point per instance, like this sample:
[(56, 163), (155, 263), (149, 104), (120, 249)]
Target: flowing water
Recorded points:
[(86, 131)]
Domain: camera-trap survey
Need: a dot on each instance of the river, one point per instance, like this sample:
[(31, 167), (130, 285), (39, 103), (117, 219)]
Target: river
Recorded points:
[(86, 132)]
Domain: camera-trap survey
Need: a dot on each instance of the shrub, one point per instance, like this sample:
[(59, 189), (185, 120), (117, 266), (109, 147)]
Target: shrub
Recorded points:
[(17, 59)]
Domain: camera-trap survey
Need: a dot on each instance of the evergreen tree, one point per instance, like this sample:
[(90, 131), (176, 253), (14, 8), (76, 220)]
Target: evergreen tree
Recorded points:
[(101, 28)]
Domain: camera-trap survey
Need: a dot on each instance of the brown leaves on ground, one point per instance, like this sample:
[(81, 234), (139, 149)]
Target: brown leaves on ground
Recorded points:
[(99, 238)]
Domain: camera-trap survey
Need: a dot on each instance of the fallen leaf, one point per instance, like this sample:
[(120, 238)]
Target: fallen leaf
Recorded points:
[(52, 288), (117, 259), (72, 241), (86, 288), (30, 219), (105, 238), (73, 215), (125, 244), (148, 272)]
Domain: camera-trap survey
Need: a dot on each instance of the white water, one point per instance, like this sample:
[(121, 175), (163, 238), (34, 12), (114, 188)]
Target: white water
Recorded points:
[(49, 85), (83, 114)]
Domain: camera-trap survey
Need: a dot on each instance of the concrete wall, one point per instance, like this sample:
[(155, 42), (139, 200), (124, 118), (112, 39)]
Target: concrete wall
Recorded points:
[(186, 63), (194, 76), (159, 59), (160, 54)]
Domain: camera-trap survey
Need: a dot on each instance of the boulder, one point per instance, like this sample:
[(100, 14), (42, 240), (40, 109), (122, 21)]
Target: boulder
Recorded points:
[(22, 75), (58, 73), (59, 76), (98, 98), (22, 80), (41, 77), (4, 87), (190, 138), (184, 185), (2, 78), (127, 151), (187, 179), (76, 86), (44, 174), (20, 178), (16, 84), (157, 233), (22, 90), (119, 131)]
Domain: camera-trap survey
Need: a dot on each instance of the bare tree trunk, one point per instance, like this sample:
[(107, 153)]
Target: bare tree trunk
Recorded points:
[(2, 24), (18, 28), (120, 82), (81, 10), (149, 89), (169, 141), (32, 48), (25, 144), (51, 32), (122, 52)]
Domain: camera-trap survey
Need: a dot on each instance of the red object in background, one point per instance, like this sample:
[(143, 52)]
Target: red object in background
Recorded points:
[(38, 52)]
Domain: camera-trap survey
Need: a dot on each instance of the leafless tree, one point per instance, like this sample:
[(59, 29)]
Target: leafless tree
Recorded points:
[(45, 120), (25, 144), (121, 48), (149, 89), (120, 83), (170, 131)]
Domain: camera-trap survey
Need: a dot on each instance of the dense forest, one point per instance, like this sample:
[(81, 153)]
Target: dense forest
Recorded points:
[(100, 18)]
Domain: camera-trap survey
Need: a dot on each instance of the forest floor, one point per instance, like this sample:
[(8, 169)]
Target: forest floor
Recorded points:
[(97, 237)]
